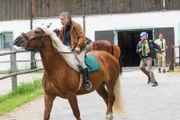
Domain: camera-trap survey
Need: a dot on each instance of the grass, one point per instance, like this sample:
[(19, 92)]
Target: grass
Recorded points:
[(169, 70), (25, 92)]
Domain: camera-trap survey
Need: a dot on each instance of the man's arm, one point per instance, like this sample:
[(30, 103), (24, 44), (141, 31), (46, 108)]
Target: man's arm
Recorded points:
[(166, 45), (82, 39), (138, 50), (156, 46)]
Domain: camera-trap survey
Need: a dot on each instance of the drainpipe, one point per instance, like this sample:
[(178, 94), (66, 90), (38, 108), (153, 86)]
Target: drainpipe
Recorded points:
[(31, 14), (33, 62), (84, 24), (164, 5)]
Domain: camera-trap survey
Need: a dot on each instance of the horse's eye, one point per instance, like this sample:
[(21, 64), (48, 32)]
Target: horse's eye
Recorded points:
[(36, 32)]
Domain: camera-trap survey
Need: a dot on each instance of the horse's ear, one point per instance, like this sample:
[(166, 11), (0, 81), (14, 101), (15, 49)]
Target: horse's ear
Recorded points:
[(48, 26)]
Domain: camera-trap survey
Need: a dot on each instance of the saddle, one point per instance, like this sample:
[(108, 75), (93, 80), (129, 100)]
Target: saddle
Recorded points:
[(91, 63)]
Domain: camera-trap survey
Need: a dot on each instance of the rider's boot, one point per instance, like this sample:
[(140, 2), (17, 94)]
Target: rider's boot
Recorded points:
[(87, 85)]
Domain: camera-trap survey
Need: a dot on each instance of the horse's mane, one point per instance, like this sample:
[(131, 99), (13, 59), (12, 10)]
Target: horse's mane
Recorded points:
[(60, 47)]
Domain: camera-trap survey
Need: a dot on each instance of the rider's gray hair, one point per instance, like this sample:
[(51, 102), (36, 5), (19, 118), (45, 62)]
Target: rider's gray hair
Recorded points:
[(66, 14)]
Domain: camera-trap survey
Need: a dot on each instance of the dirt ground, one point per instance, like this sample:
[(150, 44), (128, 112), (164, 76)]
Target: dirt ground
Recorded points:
[(141, 101)]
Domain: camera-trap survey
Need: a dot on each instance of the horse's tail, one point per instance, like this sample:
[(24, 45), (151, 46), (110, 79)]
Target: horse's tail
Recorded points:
[(117, 106)]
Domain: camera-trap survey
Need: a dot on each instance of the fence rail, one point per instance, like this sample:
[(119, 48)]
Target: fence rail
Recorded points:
[(12, 52), (19, 73), (13, 63), (21, 61)]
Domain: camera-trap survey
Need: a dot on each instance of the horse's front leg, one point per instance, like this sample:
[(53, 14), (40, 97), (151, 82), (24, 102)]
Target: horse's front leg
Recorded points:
[(74, 105), (48, 100)]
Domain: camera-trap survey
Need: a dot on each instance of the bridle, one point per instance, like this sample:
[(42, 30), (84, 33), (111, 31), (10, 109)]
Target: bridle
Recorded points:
[(40, 37)]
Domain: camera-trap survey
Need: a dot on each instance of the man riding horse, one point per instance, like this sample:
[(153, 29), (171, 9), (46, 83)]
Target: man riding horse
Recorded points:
[(72, 35)]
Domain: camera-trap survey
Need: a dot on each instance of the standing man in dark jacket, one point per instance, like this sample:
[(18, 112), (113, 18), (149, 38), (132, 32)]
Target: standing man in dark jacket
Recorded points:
[(72, 35), (145, 49)]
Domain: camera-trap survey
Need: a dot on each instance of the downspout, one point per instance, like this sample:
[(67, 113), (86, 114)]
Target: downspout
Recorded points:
[(164, 5), (31, 11), (84, 24)]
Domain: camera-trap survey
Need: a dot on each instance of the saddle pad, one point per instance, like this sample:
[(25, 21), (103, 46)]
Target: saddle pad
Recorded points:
[(92, 63)]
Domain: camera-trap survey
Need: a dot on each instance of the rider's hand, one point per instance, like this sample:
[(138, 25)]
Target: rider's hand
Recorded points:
[(77, 50)]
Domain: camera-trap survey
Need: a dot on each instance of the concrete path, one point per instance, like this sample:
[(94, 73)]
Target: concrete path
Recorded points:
[(141, 101)]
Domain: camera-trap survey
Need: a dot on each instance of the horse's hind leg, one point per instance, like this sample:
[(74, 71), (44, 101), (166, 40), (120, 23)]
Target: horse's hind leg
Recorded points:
[(74, 105), (48, 100), (111, 99), (104, 94)]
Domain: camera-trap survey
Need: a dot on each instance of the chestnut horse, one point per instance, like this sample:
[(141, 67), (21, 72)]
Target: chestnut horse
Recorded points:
[(60, 67)]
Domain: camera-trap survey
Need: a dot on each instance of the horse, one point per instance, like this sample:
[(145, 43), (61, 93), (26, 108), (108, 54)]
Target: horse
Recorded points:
[(60, 65), (100, 45)]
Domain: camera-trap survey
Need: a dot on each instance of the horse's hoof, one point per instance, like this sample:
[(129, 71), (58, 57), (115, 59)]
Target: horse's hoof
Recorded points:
[(109, 117)]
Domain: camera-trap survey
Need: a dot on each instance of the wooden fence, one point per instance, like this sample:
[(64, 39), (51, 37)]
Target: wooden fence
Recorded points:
[(14, 72)]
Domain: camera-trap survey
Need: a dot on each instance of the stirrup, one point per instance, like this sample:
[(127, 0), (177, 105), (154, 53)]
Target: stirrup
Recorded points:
[(88, 85)]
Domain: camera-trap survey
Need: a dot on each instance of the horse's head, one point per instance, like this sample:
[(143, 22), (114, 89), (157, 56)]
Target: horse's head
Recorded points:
[(32, 40)]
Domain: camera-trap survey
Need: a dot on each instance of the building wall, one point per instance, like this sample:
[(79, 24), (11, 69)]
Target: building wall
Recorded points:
[(96, 23)]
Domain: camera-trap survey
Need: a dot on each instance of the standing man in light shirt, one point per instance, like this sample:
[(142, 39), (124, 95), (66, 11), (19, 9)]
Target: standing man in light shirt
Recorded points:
[(161, 58)]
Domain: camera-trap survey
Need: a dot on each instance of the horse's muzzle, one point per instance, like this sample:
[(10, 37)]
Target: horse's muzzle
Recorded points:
[(20, 42)]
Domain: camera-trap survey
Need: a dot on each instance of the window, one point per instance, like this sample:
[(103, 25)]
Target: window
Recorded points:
[(6, 40)]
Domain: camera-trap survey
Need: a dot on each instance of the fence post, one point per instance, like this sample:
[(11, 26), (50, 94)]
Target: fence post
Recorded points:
[(179, 54), (172, 58), (14, 69)]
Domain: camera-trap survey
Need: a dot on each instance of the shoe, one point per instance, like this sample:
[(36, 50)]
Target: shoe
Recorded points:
[(155, 84), (164, 71), (159, 70), (88, 85), (149, 80)]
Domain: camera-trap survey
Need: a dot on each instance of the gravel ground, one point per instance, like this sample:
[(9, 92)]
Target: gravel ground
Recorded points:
[(141, 101)]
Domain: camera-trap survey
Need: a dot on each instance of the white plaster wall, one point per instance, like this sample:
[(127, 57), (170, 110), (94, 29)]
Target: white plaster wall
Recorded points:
[(95, 23)]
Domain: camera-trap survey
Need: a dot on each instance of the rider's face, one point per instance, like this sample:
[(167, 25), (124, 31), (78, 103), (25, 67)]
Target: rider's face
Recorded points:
[(64, 20), (143, 37)]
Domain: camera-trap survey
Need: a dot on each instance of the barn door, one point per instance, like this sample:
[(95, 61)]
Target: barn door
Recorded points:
[(168, 33), (105, 35)]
